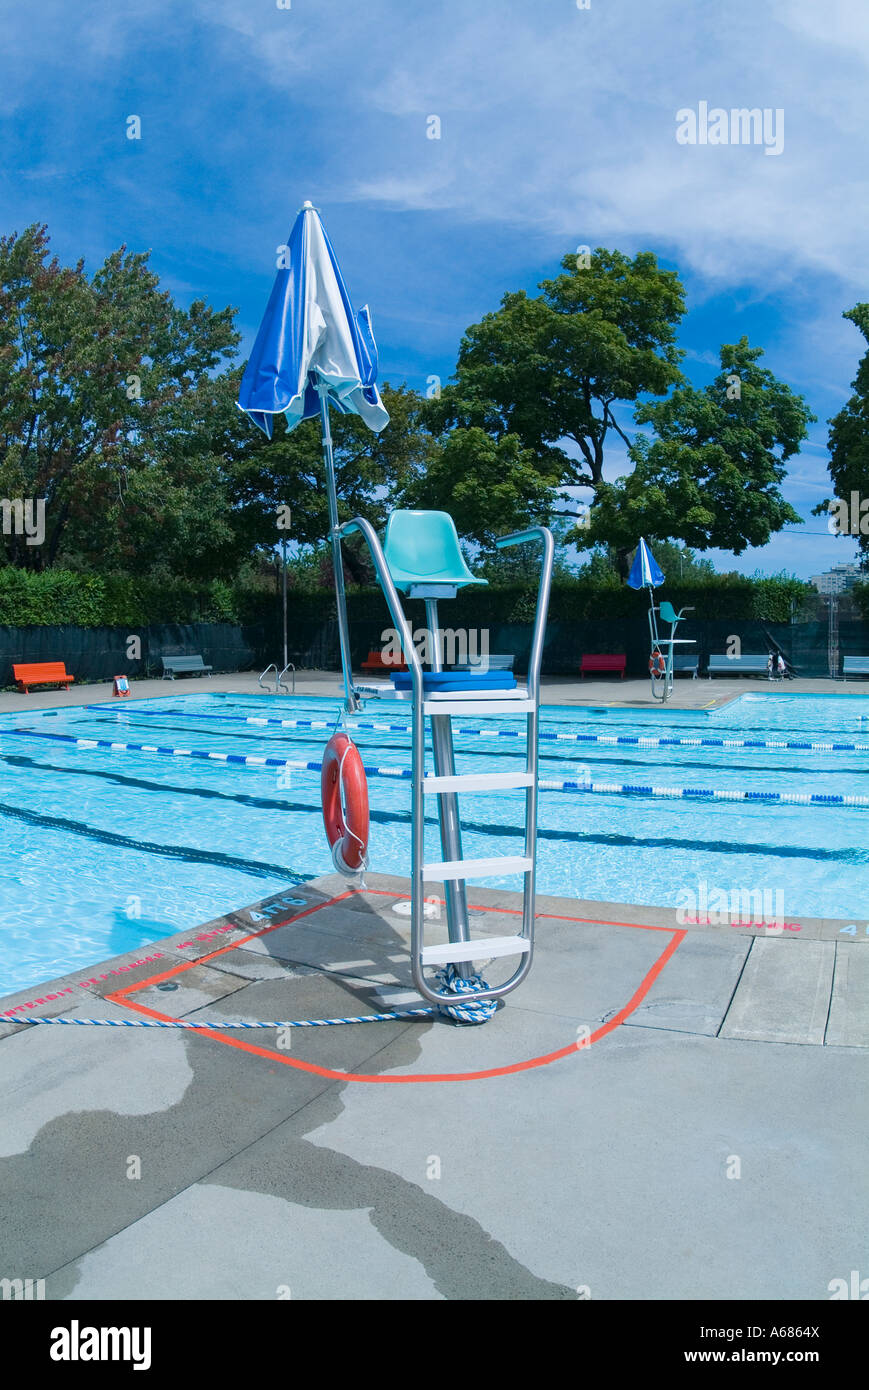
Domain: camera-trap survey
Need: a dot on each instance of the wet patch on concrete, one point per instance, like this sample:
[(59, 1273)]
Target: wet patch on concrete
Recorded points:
[(169, 1144)]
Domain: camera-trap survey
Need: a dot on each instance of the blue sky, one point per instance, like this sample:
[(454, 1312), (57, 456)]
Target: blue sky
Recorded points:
[(558, 128)]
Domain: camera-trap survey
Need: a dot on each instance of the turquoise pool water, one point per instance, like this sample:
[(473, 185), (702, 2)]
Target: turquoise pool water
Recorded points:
[(106, 851)]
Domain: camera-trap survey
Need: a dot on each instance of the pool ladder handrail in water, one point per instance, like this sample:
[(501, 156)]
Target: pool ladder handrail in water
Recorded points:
[(453, 870), (279, 677)]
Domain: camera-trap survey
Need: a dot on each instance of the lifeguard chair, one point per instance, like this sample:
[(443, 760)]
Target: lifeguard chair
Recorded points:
[(662, 663), (422, 558)]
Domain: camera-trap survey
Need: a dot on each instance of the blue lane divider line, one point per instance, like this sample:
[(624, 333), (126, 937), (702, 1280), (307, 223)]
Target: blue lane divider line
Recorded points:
[(404, 773)]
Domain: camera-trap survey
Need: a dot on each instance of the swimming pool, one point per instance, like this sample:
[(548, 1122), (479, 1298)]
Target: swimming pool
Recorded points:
[(104, 851)]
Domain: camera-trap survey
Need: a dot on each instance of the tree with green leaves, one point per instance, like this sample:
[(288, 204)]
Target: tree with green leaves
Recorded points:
[(848, 443), (552, 370), (106, 405), (711, 476), (679, 563), (371, 471), (490, 486)]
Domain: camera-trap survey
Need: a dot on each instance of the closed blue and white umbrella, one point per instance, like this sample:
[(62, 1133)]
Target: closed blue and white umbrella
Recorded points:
[(645, 573), (313, 349), (311, 340)]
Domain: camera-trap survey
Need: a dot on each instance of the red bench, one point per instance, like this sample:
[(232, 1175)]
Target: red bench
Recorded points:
[(42, 673), (375, 662), (603, 661)]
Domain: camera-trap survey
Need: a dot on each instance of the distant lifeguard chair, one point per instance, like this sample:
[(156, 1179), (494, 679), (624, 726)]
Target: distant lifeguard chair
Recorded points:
[(661, 663)]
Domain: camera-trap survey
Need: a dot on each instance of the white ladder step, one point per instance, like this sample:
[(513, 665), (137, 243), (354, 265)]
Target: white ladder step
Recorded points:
[(491, 709), (478, 782), (483, 948), (476, 868)]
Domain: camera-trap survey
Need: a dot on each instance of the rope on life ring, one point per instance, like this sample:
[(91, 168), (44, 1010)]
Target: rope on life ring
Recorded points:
[(344, 794), (657, 664)]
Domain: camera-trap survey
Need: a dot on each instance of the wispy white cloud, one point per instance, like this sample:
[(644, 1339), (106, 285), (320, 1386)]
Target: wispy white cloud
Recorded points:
[(564, 120)]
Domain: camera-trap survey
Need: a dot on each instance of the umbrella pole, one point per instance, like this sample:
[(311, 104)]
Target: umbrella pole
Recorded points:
[(284, 594), (653, 622), (653, 632), (351, 701)]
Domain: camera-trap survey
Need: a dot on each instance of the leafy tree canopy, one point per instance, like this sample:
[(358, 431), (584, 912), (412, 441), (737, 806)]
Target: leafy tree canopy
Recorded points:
[(105, 408), (371, 470), (679, 563), (490, 486), (848, 443), (551, 370), (711, 475)]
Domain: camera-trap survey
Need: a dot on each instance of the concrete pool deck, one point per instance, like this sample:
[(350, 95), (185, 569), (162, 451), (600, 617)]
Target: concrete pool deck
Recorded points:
[(667, 1111), (557, 690)]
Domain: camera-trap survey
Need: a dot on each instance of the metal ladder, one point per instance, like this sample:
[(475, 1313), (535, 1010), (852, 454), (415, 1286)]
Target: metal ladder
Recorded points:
[(662, 685), (445, 784), (279, 677)]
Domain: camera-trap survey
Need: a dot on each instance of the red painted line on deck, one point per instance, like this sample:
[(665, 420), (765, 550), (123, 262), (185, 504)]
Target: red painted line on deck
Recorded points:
[(517, 912), (677, 936)]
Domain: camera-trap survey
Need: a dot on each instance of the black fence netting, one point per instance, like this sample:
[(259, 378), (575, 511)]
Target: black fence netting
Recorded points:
[(812, 649), (99, 653)]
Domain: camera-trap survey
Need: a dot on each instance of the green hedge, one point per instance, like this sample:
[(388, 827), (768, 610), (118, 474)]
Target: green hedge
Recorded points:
[(56, 597), (84, 600), (770, 600)]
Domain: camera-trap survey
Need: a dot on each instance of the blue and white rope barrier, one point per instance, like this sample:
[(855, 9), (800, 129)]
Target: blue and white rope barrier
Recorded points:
[(181, 1023), (208, 755), (404, 774), (705, 794), (464, 1010), (605, 740)]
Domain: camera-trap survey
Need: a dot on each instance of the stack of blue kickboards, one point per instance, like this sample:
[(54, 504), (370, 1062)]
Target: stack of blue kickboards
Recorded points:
[(444, 681)]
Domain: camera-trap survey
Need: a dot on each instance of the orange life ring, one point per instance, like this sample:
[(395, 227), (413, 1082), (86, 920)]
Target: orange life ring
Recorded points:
[(657, 664), (344, 792)]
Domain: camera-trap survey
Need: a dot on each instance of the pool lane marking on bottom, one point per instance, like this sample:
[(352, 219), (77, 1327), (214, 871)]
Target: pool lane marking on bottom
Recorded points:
[(677, 936)]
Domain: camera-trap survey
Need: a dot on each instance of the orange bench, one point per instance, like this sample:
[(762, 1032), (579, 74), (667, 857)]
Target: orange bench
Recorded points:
[(375, 662), (42, 673), (603, 661)]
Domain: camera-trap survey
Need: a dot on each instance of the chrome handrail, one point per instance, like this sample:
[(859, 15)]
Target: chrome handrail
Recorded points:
[(535, 662), (417, 751), (393, 601)]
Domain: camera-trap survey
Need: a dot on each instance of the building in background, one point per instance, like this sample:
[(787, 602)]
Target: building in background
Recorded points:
[(838, 580)]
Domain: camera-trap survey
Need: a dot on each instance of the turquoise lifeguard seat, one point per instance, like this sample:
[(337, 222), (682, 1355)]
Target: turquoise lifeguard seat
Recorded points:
[(423, 555), (422, 552), (668, 613)]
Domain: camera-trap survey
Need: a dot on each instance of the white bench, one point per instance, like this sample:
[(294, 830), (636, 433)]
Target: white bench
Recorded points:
[(855, 666), (688, 664), (492, 663), (746, 665), (184, 665)]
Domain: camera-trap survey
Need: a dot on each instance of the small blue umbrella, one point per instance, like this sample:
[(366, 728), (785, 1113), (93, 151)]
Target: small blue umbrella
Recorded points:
[(313, 349), (645, 573)]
